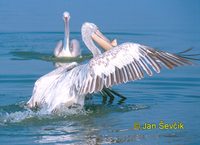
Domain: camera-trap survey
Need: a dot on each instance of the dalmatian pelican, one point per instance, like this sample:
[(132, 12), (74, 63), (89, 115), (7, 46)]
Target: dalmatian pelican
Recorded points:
[(68, 49), (126, 62)]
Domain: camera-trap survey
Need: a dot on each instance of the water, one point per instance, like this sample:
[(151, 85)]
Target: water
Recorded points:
[(29, 31), (169, 96)]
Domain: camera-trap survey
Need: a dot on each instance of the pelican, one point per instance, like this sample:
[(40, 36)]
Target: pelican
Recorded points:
[(126, 62), (68, 49)]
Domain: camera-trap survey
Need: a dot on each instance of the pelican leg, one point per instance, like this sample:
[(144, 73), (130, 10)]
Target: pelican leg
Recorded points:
[(116, 93), (104, 97), (121, 101), (110, 95)]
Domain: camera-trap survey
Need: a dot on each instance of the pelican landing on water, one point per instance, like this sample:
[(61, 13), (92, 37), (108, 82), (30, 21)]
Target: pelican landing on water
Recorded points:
[(126, 62), (68, 49)]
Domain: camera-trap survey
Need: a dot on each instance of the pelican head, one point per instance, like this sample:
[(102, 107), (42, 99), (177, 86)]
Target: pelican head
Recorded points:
[(90, 29), (66, 16)]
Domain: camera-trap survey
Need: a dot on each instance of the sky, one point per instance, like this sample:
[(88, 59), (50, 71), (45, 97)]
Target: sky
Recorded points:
[(111, 15)]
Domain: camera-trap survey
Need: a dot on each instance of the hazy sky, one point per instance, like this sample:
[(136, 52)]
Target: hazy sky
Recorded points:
[(111, 15)]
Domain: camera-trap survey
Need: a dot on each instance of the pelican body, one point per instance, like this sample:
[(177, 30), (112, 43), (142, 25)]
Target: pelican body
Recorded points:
[(68, 49), (126, 62)]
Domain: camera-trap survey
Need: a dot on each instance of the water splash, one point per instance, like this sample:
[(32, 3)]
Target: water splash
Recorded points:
[(21, 113), (17, 113)]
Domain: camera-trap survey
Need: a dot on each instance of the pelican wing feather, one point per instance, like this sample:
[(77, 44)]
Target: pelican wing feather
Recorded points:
[(45, 85), (123, 63), (58, 48)]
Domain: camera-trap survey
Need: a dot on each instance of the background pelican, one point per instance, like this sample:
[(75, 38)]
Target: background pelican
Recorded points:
[(68, 49), (70, 84)]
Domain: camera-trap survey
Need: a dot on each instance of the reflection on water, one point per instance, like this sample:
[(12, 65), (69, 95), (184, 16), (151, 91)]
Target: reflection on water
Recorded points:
[(28, 55)]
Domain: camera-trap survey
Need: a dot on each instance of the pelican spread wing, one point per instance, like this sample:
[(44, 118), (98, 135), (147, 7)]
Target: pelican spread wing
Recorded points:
[(126, 62)]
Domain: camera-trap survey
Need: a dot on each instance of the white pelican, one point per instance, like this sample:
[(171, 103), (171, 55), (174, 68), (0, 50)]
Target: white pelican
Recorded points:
[(70, 84), (68, 49)]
